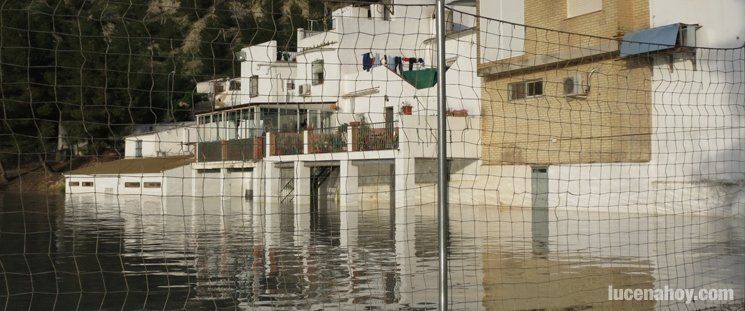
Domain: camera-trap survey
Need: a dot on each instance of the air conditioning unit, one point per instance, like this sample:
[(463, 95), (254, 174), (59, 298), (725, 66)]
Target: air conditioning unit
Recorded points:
[(290, 85), (303, 90), (576, 85)]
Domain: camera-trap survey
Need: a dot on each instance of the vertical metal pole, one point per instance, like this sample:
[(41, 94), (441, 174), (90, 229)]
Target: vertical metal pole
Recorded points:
[(442, 159)]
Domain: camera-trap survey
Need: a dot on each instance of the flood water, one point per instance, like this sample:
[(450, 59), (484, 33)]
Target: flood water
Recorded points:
[(124, 253)]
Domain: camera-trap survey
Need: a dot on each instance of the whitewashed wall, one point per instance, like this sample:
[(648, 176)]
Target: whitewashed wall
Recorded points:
[(114, 184), (273, 75), (174, 183), (171, 142), (722, 21), (501, 35)]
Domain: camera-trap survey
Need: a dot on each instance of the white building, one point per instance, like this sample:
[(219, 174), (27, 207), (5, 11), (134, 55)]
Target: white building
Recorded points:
[(364, 111), (175, 141), (163, 176)]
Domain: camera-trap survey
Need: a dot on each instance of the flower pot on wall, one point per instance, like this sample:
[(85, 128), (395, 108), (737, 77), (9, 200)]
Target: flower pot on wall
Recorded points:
[(406, 110)]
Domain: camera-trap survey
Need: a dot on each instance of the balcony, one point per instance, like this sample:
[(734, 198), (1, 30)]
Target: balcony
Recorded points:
[(374, 136), (347, 137), (249, 149), (327, 140), (355, 136), (285, 143)]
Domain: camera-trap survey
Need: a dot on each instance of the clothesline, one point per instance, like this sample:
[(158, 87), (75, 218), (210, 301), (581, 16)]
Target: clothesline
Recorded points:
[(394, 63)]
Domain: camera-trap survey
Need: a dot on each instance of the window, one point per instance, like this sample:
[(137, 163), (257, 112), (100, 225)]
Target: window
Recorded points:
[(74, 183), (138, 148), (235, 85), (254, 84), (317, 71), (581, 7), (131, 185), (525, 89), (151, 184), (219, 87), (87, 184)]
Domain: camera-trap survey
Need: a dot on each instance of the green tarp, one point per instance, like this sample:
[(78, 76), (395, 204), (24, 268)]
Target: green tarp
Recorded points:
[(421, 79)]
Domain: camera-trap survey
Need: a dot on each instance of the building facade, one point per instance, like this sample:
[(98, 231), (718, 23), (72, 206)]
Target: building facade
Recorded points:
[(621, 104)]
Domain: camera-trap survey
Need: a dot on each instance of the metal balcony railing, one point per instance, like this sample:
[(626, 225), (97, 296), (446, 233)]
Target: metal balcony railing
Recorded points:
[(374, 136), (326, 140), (248, 149), (286, 143)]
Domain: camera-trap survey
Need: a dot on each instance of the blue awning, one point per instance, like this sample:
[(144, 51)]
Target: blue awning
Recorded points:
[(650, 40)]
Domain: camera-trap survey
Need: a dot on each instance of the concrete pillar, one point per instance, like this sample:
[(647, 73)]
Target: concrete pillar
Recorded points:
[(269, 145), (349, 202), (404, 181), (405, 224), (224, 186), (266, 212), (257, 182), (271, 183), (195, 182), (306, 142), (302, 183), (301, 202)]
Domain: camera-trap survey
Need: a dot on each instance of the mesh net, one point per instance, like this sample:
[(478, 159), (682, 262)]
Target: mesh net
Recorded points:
[(169, 154)]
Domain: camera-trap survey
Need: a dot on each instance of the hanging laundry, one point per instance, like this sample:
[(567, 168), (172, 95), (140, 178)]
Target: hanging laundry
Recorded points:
[(366, 62), (398, 65), (392, 63), (384, 60), (377, 60), (411, 63)]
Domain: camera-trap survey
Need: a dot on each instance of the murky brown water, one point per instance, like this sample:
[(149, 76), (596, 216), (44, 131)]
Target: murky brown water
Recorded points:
[(106, 252)]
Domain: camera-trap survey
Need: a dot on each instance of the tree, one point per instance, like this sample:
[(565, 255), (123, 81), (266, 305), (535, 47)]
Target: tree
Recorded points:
[(99, 67)]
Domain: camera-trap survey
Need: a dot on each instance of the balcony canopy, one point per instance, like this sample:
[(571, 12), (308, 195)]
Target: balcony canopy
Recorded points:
[(650, 40)]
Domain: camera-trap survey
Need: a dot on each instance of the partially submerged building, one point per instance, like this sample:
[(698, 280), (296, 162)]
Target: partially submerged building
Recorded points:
[(613, 103), (162, 176), (354, 99)]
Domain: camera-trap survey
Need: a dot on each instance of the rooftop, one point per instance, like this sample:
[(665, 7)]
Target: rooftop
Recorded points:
[(134, 166)]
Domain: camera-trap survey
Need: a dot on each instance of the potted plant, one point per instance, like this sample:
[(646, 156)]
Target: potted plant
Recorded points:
[(406, 109)]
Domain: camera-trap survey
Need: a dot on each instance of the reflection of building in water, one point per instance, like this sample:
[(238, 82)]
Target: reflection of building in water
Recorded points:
[(227, 252), (525, 282)]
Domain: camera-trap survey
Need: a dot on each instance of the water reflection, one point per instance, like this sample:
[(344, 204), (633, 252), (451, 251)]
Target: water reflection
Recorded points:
[(132, 253)]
